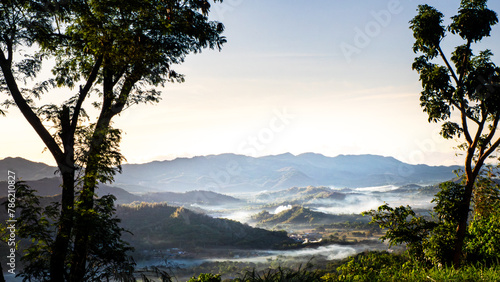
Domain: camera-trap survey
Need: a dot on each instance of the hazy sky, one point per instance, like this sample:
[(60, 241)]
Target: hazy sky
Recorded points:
[(323, 76)]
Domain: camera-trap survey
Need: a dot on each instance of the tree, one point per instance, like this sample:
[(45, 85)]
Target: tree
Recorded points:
[(113, 48), (23, 24), (404, 227), (428, 240), (464, 97)]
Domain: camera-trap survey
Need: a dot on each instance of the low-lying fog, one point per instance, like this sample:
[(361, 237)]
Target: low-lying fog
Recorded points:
[(329, 252), (350, 201)]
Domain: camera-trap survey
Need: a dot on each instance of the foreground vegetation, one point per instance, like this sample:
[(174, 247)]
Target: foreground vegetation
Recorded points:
[(382, 266), (367, 266)]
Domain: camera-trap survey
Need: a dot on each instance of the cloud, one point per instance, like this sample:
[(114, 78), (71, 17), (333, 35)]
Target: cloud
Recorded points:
[(282, 208)]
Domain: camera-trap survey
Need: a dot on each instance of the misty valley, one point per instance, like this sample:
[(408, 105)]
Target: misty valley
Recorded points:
[(285, 227), (263, 217)]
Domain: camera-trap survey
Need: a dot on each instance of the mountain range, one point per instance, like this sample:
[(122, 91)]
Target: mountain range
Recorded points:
[(25, 169), (230, 173), (49, 187)]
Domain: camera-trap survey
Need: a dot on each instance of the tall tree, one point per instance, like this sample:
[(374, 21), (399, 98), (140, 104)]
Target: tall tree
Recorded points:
[(27, 24), (115, 48), (464, 96)]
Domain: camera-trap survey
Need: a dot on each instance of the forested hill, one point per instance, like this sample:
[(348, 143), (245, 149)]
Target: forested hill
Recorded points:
[(296, 215), (156, 226)]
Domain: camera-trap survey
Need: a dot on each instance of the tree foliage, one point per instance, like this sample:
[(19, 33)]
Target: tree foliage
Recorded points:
[(206, 277), (302, 274)]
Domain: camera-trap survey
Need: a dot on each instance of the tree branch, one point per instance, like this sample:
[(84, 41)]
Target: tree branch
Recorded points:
[(118, 76), (479, 132), (490, 136), (465, 126), (28, 113), (460, 106), (493, 147), (124, 93), (458, 82), (83, 93), (8, 42), (470, 171)]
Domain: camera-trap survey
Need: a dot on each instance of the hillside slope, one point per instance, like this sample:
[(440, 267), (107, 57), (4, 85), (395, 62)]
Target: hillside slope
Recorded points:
[(156, 226), (296, 215)]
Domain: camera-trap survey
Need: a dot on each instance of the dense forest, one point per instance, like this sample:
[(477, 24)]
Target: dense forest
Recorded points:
[(157, 226)]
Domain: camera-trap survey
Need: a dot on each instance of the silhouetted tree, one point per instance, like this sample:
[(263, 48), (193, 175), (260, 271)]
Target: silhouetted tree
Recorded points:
[(114, 48)]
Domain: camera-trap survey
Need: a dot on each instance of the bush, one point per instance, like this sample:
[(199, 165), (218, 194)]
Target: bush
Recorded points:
[(281, 275), (368, 266), (483, 242), (206, 277)]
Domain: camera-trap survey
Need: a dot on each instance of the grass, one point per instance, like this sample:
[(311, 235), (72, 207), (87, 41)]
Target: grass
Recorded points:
[(382, 266)]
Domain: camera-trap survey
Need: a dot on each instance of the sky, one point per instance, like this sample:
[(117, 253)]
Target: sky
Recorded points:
[(322, 76)]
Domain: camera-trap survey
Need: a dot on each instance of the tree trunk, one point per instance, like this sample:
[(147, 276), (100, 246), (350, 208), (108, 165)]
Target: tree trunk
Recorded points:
[(462, 224), (2, 279), (471, 174), (65, 162), (83, 230), (84, 225), (61, 243)]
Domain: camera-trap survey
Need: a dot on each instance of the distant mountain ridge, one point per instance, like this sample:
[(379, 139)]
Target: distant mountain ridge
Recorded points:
[(49, 187), (25, 169), (229, 173)]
